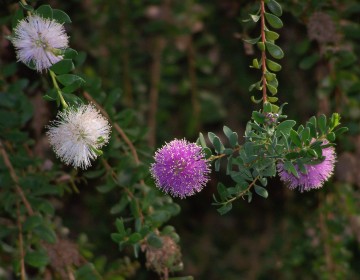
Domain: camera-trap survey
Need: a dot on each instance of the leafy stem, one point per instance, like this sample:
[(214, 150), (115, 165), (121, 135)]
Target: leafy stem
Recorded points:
[(263, 52), (242, 193), (58, 90), (215, 157)]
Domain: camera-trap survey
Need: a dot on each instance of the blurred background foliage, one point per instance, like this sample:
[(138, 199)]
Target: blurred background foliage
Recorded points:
[(164, 69)]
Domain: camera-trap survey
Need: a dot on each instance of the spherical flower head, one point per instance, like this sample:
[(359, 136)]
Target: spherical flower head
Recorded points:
[(40, 41), (316, 174), (77, 134), (180, 168)]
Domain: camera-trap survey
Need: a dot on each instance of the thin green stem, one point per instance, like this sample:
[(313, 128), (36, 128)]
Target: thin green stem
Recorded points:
[(58, 90)]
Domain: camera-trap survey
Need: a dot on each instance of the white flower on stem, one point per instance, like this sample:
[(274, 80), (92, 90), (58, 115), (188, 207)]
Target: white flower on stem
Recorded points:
[(77, 134), (40, 41)]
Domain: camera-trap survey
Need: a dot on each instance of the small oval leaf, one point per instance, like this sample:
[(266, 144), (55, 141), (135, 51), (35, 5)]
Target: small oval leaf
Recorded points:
[(273, 20), (273, 66), (274, 50), (274, 7)]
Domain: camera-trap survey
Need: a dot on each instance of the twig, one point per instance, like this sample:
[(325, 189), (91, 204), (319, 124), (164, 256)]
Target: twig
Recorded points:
[(125, 54), (193, 84), (21, 243), (330, 267), (14, 177), (155, 71), (129, 193), (241, 194), (70, 273), (214, 157), (115, 125)]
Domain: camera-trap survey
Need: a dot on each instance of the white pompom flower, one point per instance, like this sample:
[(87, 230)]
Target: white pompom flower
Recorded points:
[(77, 134), (40, 41)]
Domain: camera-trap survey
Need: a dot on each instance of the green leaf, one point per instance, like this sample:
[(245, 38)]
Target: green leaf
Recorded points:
[(305, 135), (119, 223), (207, 152), (271, 35), (225, 208), (295, 138), (270, 76), (217, 165), (252, 40), (250, 195), (160, 216), (301, 166), (255, 18), (222, 190), (37, 259), (322, 124), (261, 191), (26, 7), (63, 67), (331, 137), (334, 121), (71, 88), (105, 188), (340, 131), (272, 99), (154, 240), (202, 140), (274, 50), (117, 208), (255, 63), (261, 46), (273, 66), (70, 53), (256, 101), (68, 79), (60, 16), (274, 7), (273, 20), (211, 137), (45, 11), (267, 107), (32, 222), (264, 181), (309, 61), (233, 139), (45, 233), (291, 168), (256, 85), (285, 127), (227, 131), (117, 237), (87, 272), (258, 117), (273, 90), (135, 238), (219, 147)]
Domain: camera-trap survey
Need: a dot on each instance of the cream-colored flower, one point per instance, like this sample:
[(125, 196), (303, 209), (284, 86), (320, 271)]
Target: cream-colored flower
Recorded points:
[(77, 134)]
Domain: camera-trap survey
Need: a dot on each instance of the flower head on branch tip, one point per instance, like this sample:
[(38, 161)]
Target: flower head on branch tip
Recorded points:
[(77, 134), (180, 168), (40, 41), (316, 176)]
